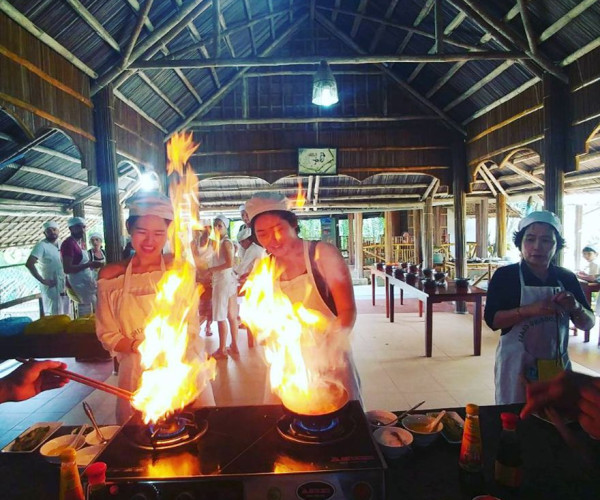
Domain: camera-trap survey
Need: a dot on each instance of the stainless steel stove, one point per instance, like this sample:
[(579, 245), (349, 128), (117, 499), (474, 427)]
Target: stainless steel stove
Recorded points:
[(245, 453)]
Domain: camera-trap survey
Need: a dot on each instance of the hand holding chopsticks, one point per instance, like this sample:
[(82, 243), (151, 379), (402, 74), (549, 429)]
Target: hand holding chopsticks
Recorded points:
[(82, 379)]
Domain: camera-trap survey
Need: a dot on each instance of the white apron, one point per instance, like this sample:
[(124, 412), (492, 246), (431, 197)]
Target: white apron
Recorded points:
[(83, 283), (304, 289), (223, 286), (55, 298), (526, 343), (132, 313)]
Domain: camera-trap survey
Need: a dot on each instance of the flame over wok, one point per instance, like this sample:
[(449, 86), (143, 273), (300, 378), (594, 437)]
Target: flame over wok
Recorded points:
[(294, 341), (176, 369)]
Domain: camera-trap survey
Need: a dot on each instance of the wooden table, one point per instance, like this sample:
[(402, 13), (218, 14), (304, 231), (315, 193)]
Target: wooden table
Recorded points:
[(588, 288), (440, 294)]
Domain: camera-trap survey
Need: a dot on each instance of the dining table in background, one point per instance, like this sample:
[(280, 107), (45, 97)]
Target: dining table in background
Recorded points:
[(589, 288), (448, 293)]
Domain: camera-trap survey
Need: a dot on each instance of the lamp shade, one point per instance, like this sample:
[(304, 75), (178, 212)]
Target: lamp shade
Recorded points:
[(324, 87)]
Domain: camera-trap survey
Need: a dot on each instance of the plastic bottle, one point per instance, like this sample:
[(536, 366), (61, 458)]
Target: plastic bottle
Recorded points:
[(470, 460), (471, 456), (96, 476), (507, 470), (70, 483)]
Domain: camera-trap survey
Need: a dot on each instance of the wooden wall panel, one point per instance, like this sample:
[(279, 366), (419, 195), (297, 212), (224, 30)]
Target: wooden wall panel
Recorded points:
[(138, 139), (43, 90), (272, 154)]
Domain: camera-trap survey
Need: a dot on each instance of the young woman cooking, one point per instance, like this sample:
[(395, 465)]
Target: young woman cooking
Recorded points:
[(126, 293)]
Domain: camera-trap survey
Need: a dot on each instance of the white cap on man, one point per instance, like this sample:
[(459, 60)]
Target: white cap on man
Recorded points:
[(74, 221), (223, 219), (50, 225), (244, 234)]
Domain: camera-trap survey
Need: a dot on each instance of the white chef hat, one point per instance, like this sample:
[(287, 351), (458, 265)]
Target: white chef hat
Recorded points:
[(244, 234), (74, 221), (266, 202), (150, 203), (50, 224), (223, 219), (242, 207), (544, 216), (96, 234)]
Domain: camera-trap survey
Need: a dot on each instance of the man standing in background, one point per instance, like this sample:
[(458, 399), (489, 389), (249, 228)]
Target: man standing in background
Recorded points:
[(52, 276), (77, 266)]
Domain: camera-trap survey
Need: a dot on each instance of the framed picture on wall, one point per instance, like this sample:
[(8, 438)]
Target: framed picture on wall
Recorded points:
[(317, 161)]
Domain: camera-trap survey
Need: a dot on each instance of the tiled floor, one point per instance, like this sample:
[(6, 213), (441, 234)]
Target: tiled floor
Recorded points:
[(390, 359)]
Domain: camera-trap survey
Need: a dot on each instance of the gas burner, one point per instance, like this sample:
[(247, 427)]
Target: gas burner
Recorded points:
[(175, 431), (321, 429)]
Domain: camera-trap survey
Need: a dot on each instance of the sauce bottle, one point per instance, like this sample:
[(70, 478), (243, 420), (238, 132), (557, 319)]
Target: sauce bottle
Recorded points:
[(70, 483), (508, 465), (470, 460)]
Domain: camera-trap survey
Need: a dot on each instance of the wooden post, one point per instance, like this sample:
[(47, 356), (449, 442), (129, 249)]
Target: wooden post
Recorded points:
[(558, 154), (79, 210), (350, 244), (500, 225), (577, 236), (459, 188), (428, 233), (387, 234), (358, 244), (106, 171), (482, 229), (417, 224)]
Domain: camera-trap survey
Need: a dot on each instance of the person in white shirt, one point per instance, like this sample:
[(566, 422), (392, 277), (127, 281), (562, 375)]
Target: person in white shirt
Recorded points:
[(51, 275), (591, 270), (252, 253)]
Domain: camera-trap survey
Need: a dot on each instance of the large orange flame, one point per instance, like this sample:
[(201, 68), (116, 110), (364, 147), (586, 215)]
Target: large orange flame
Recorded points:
[(300, 198), (292, 337), (174, 373)]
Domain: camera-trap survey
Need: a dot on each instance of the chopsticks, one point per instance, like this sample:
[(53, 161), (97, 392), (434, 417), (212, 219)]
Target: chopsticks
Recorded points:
[(404, 413), (82, 379)]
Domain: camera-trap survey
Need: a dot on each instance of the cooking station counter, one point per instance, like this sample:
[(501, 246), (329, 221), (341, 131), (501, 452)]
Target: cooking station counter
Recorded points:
[(551, 469)]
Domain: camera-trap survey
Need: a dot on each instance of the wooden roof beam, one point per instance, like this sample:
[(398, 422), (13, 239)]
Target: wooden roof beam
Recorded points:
[(42, 36), (416, 96), (169, 29), (381, 28), (225, 89), (500, 30), (48, 173), (560, 23), (160, 93), (294, 189), (358, 18), (36, 192), (485, 170), (411, 29), (312, 119), (134, 106), (250, 30), (93, 23), (142, 17), (256, 62), (522, 173)]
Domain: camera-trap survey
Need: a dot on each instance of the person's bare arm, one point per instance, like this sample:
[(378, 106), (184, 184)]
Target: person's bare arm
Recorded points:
[(30, 265), (227, 249), (510, 317), (334, 270), (30, 379)]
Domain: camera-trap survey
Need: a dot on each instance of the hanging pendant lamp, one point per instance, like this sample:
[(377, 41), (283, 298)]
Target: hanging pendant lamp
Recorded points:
[(324, 87)]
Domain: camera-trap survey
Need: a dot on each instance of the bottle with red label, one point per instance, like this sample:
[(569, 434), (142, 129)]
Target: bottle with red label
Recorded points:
[(508, 466)]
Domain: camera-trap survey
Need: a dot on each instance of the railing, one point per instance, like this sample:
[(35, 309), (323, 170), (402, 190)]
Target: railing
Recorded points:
[(17, 286), (401, 252)]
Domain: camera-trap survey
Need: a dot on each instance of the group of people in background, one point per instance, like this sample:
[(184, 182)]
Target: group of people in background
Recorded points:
[(67, 272)]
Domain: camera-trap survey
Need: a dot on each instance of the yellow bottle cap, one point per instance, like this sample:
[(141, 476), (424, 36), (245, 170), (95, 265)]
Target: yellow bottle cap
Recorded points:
[(472, 409), (68, 454)]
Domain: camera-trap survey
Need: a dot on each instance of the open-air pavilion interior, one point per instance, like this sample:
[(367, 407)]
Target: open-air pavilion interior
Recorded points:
[(452, 114)]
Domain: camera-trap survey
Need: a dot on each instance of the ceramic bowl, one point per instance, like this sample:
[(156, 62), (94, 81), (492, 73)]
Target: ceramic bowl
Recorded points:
[(411, 278), (52, 449), (85, 456), (462, 282), (427, 273), (429, 284), (415, 424), (399, 273), (439, 275), (393, 442), (108, 431), (381, 418)]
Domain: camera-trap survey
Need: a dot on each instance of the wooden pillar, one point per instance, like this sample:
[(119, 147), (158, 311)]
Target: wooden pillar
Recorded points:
[(387, 234), (428, 233), (501, 221), (459, 188), (417, 224), (481, 215), (358, 244), (577, 236), (558, 152), (106, 171), (79, 210), (350, 243)]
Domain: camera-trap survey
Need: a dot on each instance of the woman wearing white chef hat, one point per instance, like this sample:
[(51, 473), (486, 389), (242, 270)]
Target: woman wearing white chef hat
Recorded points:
[(532, 302), (126, 294)]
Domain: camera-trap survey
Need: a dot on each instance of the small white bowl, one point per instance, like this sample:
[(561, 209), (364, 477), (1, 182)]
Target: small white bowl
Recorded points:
[(52, 449), (381, 418), (85, 455), (393, 441), (415, 423), (107, 431)]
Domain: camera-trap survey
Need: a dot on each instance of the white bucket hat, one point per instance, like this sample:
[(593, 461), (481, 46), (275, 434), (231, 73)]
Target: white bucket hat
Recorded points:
[(544, 216), (266, 202)]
